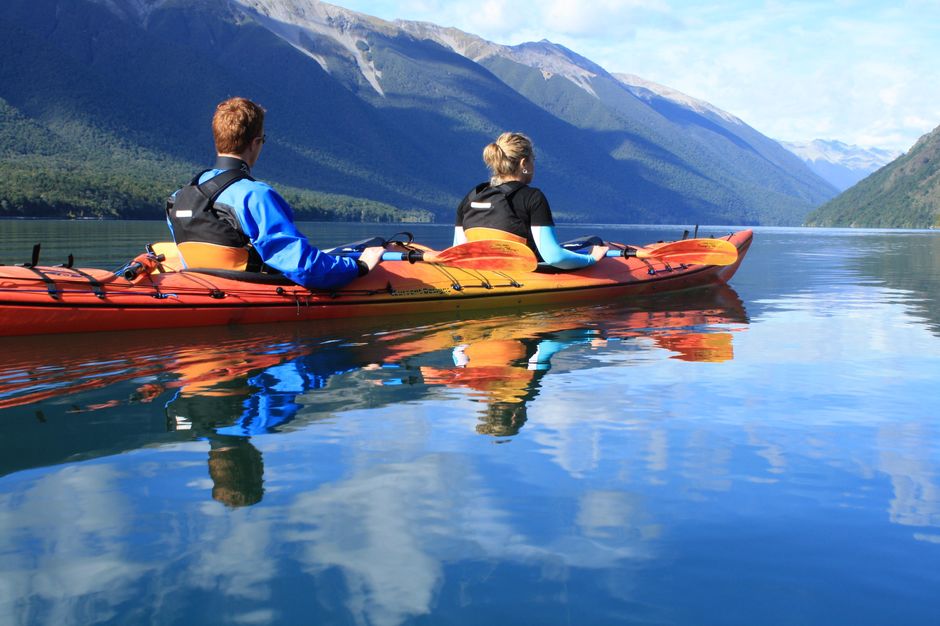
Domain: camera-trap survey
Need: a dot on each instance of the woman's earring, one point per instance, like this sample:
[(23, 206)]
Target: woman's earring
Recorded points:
[(525, 171)]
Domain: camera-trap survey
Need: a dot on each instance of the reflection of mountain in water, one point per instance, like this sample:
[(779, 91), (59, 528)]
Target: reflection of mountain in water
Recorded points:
[(910, 262), (822, 268)]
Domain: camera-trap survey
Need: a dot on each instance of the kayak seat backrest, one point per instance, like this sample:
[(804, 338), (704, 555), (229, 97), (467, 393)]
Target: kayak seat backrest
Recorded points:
[(200, 254), (171, 256), (479, 233)]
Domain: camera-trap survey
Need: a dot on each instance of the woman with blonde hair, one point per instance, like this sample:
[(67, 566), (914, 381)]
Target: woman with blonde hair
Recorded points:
[(506, 207)]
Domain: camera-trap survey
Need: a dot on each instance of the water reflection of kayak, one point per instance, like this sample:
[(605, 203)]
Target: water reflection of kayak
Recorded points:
[(81, 398), (38, 299)]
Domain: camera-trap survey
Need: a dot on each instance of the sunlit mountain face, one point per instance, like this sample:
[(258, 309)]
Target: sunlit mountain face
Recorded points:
[(377, 116)]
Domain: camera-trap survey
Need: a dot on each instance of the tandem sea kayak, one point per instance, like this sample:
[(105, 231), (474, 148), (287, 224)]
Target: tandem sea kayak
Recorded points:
[(36, 299)]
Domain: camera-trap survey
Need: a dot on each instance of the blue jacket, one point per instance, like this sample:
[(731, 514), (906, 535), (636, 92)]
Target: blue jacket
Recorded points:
[(268, 221)]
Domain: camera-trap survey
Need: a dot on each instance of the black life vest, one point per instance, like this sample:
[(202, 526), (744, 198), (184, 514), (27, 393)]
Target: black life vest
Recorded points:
[(491, 207), (196, 218)]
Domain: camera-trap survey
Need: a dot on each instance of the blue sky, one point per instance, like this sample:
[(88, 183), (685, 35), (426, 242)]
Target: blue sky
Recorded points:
[(863, 72)]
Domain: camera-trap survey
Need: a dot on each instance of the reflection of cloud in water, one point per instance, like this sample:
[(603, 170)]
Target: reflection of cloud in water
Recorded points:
[(81, 567), (773, 452), (912, 465), (235, 552), (657, 458), (616, 517), (392, 528), (389, 527)]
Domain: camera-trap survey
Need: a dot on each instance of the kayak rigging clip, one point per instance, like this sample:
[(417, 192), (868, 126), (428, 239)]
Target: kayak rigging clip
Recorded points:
[(512, 281), (217, 294), (156, 257), (454, 281)]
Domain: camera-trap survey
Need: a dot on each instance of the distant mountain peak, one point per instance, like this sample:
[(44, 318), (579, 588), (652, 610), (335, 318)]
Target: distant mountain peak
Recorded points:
[(555, 60), (646, 89), (466, 45), (307, 25), (904, 193), (549, 58), (299, 23), (840, 163), (834, 151)]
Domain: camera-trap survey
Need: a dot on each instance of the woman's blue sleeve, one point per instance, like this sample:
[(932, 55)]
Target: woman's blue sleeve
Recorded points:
[(554, 254), (268, 221)]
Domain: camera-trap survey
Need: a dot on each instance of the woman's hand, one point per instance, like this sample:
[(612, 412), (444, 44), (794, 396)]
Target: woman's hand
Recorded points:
[(599, 252)]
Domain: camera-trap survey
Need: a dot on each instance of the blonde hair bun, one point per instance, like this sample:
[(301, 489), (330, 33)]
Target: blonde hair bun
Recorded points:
[(504, 156)]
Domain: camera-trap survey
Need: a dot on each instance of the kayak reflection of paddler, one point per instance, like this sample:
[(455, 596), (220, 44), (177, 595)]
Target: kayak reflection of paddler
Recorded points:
[(235, 465), (505, 374), (228, 412), (503, 360), (711, 347)]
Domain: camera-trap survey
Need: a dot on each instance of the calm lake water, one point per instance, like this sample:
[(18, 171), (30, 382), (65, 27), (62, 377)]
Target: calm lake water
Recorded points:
[(763, 454)]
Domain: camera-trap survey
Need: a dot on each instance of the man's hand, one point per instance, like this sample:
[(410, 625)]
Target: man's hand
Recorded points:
[(372, 256)]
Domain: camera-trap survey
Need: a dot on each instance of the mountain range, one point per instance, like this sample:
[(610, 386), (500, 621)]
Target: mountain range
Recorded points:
[(105, 108), (903, 194), (838, 163)]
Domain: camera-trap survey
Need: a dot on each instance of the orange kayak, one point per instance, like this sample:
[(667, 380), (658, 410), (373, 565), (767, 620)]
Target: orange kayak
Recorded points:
[(41, 299)]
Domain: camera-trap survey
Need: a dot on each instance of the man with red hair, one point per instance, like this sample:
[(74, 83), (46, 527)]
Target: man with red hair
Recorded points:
[(226, 219)]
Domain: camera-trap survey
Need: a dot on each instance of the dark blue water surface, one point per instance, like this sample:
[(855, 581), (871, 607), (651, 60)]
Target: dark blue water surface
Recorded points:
[(768, 453)]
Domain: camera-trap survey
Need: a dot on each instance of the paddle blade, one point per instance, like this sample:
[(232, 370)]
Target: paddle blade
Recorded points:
[(692, 252), (489, 254)]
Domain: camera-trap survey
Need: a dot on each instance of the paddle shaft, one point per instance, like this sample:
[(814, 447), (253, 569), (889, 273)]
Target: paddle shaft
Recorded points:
[(412, 256), (492, 255), (687, 251)]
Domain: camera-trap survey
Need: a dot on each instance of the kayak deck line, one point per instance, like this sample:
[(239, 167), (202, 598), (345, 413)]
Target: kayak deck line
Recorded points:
[(335, 296)]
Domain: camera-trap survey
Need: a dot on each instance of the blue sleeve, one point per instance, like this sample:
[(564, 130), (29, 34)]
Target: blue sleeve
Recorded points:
[(268, 221), (554, 254)]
